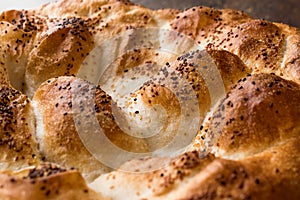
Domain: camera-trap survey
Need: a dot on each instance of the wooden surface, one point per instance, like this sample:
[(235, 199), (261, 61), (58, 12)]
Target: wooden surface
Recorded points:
[(286, 11)]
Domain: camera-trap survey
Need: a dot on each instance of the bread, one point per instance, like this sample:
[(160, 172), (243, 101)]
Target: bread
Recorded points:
[(228, 93), (192, 177), (45, 182), (18, 144), (57, 131)]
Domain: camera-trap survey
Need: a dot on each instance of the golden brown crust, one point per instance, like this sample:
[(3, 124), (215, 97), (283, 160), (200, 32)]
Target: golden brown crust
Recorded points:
[(154, 95), (3, 74), (60, 53), (258, 43), (256, 155), (45, 182), (60, 141), (266, 175), (260, 111), (18, 146), (194, 65), (77, 8), (207, 25), (16, 44), (290, 63), (230, 66), (56, 130), (263, 46)]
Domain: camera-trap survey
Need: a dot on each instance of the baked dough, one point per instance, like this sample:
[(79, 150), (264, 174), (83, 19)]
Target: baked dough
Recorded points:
[(47, 181), (43, 51)]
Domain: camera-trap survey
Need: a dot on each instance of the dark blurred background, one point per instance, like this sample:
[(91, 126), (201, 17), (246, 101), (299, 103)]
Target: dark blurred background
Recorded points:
[(286, 11)]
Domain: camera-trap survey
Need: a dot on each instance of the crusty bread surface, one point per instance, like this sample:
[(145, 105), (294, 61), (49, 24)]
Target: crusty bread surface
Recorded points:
[(45, 81)]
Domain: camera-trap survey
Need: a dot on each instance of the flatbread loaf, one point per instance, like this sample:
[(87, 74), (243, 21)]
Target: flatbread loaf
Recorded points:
[(246, 144)]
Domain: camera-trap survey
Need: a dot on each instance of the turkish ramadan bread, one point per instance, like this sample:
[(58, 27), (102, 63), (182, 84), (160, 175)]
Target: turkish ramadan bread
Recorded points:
[(43, 51)]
